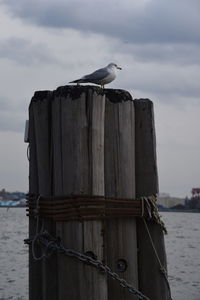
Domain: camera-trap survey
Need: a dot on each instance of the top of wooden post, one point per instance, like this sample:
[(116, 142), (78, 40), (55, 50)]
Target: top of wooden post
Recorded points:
[(114, 95)]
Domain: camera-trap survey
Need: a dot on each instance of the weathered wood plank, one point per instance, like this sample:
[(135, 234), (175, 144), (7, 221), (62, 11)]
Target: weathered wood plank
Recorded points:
[(120, 182), (42, 117), (93, 230), (35, 268), (78, 158), (66, 134), (151, 281)]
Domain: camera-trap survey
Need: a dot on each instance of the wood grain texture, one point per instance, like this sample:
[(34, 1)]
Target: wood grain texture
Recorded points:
[(66, 136), (78, 129), (121, 242), (93, 230), (151, 281), (35, 267), (41, 106)]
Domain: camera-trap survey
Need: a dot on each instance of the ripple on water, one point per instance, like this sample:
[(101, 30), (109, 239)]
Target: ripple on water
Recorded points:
[(13, 254), (182, 247)]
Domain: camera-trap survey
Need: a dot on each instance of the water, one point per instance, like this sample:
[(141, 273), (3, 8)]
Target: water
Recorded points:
[(182, 245), (13, 254), (183, 254)]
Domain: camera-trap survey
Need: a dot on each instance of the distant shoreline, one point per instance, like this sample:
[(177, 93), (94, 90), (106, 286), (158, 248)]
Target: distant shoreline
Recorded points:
[(180, 210), (160, 210), (9, 206)]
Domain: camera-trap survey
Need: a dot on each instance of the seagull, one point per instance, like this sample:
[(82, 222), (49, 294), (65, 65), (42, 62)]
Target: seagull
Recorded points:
[(101, 77)]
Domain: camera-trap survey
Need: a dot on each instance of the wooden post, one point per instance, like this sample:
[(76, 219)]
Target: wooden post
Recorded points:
[(121, 241), (82, 141), (151, 281)]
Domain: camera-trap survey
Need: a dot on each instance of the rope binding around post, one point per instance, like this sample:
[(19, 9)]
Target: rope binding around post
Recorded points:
[(84, 207)]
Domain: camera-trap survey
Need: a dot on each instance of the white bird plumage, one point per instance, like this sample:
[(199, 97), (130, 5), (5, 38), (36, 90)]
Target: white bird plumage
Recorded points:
[(101, 77)]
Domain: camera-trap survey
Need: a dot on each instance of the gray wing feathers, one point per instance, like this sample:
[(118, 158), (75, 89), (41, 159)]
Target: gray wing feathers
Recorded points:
[(97, 75)]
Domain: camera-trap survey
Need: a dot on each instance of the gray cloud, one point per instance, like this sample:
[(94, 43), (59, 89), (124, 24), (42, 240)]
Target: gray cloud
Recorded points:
[(172, 53), (148, 30), (154, 21), (167, 83), (24, 52), (12, 121), (156, 42), (12, 115)]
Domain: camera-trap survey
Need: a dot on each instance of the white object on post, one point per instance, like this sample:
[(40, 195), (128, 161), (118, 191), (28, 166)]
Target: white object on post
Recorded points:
[(26, 132)]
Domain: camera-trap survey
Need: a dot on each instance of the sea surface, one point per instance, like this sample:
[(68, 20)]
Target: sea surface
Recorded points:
[(182, 246)]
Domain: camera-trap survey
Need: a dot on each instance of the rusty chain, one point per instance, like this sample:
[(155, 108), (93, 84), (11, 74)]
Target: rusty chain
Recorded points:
[(53, 245)]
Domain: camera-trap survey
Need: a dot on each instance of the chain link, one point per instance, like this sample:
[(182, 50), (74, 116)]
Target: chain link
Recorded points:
[(52, 244)]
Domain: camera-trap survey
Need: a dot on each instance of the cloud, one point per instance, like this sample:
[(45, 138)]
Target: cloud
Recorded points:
[(24, 52), (171, 53), (12, 115), (14, 164), (47, 43), (157, 21), (12, 121), (149, 31), (165, 82), (178, 145)]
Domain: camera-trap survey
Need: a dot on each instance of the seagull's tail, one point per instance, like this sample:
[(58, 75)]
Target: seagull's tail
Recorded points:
[(77, 81)]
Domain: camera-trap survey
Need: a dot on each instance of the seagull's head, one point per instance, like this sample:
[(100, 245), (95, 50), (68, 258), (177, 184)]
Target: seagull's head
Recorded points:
[(113, 65)]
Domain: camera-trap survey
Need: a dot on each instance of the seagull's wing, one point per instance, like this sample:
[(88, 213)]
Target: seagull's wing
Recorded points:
[(97, 75)]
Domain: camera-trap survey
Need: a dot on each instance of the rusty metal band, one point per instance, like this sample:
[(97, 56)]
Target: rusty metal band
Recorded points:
[(86, 207)]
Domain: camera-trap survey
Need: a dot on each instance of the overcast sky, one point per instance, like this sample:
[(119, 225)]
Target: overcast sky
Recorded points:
[(46, 43)]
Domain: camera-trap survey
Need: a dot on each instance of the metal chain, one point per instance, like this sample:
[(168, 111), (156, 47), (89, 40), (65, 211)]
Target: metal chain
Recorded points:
[(54, 245)]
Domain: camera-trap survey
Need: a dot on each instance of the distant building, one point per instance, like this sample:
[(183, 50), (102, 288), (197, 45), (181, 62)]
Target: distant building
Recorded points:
[(195, 193), (4, 195), (167, 201), (194, 202)]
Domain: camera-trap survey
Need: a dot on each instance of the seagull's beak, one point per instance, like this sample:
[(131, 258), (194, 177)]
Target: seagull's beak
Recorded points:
[(119, 68)]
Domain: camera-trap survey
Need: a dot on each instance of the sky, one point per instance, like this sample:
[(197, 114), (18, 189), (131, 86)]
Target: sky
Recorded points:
[(46, 43)]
